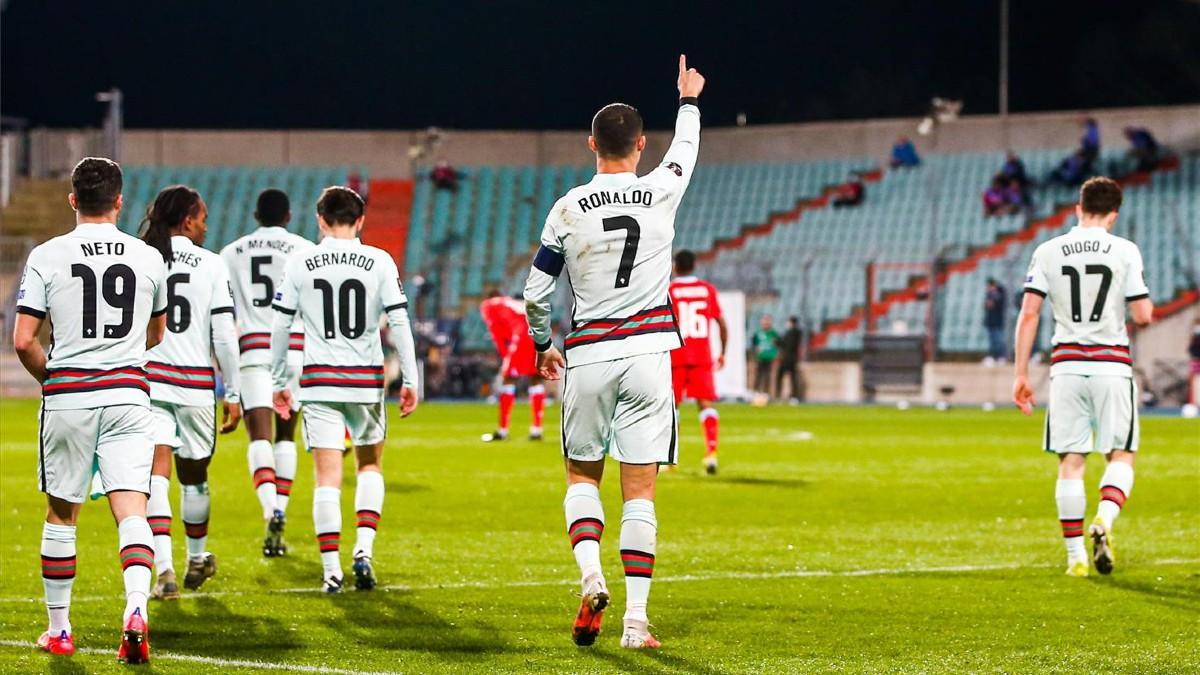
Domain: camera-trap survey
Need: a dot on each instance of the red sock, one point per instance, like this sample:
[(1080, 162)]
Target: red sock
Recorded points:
[(508, 394), (711, 420), (537, 401)]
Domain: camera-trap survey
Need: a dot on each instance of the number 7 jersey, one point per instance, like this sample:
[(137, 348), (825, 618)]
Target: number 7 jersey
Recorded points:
[(256, 263), (614, 237), (1088, 274)]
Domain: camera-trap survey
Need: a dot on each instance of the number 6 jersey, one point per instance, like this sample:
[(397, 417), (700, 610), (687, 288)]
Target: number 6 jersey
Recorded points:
[(255, 264), (1088, 274), (338, 290), (98, 287), (199, 323), (614, 236)]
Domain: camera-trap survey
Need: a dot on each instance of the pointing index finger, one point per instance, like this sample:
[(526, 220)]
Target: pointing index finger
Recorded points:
[(682, 64)]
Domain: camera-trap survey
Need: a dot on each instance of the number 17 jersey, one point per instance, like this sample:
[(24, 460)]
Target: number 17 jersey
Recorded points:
[(256, 263)]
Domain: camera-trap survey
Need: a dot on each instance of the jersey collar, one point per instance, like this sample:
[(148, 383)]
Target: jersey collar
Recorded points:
[(179, 239), (686, 279), (622, 178), (334, 242), (94, 227)]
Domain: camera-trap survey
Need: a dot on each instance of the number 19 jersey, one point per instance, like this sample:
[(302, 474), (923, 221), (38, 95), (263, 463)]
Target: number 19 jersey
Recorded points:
[(256, 263), (99, 288), (1088, 274)]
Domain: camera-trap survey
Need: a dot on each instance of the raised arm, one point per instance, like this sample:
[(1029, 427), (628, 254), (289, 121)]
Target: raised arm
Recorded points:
[(685, 146)]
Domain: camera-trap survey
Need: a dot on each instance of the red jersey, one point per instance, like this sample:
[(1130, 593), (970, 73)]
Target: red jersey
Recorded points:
[(505, 318), (696, 307)]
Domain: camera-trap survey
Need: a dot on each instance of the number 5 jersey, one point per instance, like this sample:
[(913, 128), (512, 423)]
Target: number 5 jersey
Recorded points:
[(1088, 274), (99, 288), (255, 264), (613, 236), (338, 290)]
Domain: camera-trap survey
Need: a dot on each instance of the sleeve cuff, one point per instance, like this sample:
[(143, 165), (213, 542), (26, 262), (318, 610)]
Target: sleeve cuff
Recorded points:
[(155, 315), (543, 346), (285, 310), (1035, 291), (689, 100), (222, 310), (1132, 298), (399, 305), (35, 313)]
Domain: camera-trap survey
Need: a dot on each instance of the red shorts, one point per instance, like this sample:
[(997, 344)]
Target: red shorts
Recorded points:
[(524, 360), (695, 381)]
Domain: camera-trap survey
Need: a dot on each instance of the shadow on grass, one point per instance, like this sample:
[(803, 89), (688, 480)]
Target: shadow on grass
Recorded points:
[(1186, 598), (398, 488), (60, 666), (652, 661), (789, 483), (205, 625), (390, 620)]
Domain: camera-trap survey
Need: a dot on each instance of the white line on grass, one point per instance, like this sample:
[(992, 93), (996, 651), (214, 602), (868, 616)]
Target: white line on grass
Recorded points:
[(214, 661), (713, 576)]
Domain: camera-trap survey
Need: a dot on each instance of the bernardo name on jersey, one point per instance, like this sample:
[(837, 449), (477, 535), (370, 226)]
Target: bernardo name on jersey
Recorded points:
[(338, 290), (100, 287)]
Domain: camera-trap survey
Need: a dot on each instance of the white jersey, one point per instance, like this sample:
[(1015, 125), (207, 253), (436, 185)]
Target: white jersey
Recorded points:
[(180, 368), (256, 263), (614, 237), (99, 287), (338, 290), (1088, 274)]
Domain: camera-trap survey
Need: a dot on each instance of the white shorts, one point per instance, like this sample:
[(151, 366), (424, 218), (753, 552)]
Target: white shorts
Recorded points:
[(113, 440), (258, 387), (191, 430), (624, 408), (1091, 413), (326, 422)]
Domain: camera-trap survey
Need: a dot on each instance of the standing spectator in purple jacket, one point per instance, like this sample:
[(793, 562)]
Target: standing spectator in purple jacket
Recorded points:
[(1142, 147), (1089, 144)]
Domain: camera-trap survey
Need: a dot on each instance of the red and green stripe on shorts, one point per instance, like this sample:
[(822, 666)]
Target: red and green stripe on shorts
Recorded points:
[(359, 377), (637, 563)]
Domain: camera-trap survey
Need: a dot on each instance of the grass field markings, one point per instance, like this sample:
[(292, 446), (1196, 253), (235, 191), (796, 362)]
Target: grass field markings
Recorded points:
[(214, 661), (715, 576)]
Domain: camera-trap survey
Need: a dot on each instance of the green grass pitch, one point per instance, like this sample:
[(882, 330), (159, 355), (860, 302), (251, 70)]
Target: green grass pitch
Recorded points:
[(835, 539)]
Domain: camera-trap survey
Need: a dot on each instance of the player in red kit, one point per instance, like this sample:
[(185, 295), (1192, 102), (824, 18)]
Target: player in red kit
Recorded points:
[(505, 318), (696, 307)]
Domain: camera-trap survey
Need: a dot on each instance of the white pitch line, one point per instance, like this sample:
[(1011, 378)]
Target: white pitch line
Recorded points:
[(214, 661), (715, 576)]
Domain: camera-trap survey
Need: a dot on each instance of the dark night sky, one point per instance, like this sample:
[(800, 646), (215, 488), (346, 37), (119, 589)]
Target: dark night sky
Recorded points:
[(305, 64)]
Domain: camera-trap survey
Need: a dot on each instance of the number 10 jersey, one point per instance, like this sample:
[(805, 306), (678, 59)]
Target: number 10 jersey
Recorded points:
[(99, 288), (256, 263)]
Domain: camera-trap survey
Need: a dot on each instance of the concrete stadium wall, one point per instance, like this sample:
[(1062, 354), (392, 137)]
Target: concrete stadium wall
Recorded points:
[(386, 153)]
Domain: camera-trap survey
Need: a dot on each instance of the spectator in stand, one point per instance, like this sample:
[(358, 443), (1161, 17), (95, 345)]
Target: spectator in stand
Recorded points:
[(764, 342), (993, 320), (444, 176), (850, 193), (1089, 144), (1142, 147), (1014, 168), (789, 361), (1016, 196), (1071, 171), (1194, 371), (994, 203), (904, 153)]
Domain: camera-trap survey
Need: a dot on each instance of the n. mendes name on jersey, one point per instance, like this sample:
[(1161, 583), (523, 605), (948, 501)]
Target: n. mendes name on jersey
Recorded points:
[(255, 263), (338, 290), (613, 236), (200, 321)]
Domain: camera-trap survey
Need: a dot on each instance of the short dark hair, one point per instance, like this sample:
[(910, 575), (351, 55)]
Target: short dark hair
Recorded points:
[(339, 205), (273, 208), (685, 261), (96, 183), (616, 129), (1100, 196)]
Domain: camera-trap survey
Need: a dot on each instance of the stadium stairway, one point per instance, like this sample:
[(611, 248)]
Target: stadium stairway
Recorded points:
[(389, 210), (917, 288)]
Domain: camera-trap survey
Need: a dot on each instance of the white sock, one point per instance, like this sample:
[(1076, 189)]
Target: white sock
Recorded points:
[(262, 470), (585, 526), (196, 504), (1072, 504), (285, 472), (327, 521), (58, 574), (1115, 487), (137, 559), (368, 505), (639, 535), (158, 514)]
